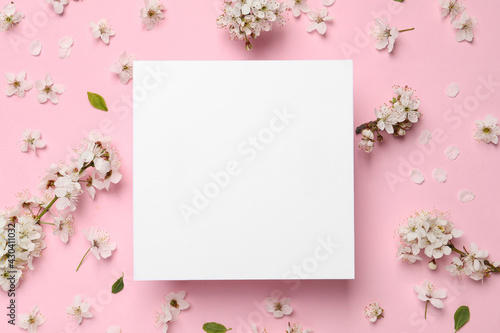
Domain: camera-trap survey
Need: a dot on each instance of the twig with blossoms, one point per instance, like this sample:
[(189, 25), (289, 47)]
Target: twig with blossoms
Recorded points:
[(95, 166), (433, 233), (385, 35), (246, 19), (395, 118)]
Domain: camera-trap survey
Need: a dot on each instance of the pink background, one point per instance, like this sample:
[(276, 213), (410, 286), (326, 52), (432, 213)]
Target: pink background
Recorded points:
[(428, 59)]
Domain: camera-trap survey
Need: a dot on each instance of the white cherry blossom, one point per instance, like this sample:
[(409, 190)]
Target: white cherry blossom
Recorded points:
[(47, 90), (31, 140), (152, 13), (79, 309), (32, 320), (17, 84), (318, 20), (124, 67), (102, 30), (465, 26)]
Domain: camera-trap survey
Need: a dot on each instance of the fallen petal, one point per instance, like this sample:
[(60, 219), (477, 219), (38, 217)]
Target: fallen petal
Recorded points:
[(452, 152), (416, 176), (466, 196), (452, 90), (66, 42), (35, 48), (425, 137), (439, 175), (328, 2), (64, 53)]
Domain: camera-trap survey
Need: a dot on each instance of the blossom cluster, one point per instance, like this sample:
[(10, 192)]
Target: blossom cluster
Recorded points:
[(246, 19), (9, 17), (428, 231), (171, 310), (373, 311), (472, 263), (459, 19), (433, 233), (95, 167), (394, 118)]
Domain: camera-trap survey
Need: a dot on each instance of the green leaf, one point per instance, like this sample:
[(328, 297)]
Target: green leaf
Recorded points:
[(399, 0), (118, 285), (462, 316), (97, 101), (215, 328)]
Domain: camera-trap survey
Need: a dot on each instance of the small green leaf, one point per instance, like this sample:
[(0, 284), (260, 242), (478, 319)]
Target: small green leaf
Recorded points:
[(399, 0), (118, 285), (215, 328), (462, 316), (97, 101)]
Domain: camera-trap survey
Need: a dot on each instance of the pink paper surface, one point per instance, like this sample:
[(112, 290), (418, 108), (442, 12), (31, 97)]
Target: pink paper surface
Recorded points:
[(428, 59)]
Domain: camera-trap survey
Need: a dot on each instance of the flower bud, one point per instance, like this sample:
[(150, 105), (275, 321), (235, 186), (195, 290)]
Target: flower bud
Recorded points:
[(432, 265)]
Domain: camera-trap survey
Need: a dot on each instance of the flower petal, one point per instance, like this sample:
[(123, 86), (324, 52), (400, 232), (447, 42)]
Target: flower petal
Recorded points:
[(416, 176), (452, 152), (439, 175), (466, 196), (64, 53), (66, 42), (35, 48), (437, 303), (452, 90), (425, 137)]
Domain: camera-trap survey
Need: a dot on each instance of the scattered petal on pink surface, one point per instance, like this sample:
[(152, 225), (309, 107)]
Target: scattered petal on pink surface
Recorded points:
[(416, 176), (439, 175), (466, 196), (425, 137), (66, 42), (452, 90), (64, 53), (452, 152), (35, 47)]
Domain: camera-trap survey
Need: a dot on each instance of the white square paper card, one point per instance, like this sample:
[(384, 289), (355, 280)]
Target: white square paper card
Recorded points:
[(243, 170)]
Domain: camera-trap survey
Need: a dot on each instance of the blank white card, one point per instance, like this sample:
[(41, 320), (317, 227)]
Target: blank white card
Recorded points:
[(243, 170)]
